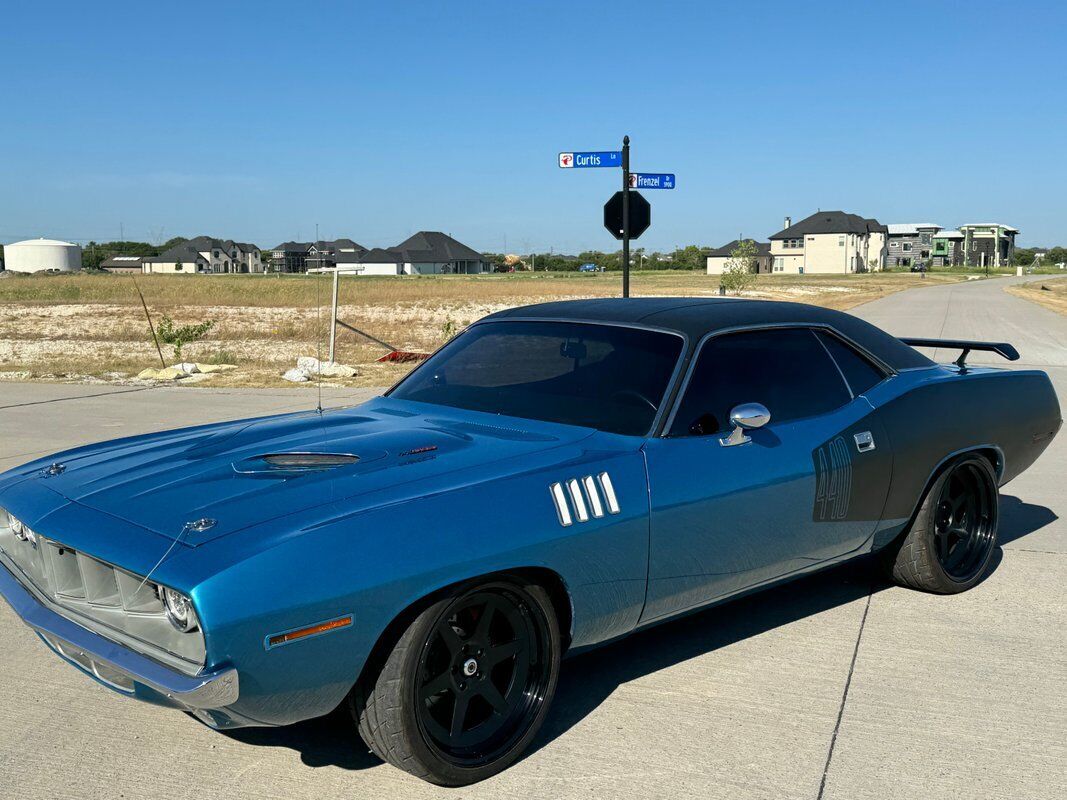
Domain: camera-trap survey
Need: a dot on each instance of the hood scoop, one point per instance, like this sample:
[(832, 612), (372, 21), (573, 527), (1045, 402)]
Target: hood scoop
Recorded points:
[(297, 462)]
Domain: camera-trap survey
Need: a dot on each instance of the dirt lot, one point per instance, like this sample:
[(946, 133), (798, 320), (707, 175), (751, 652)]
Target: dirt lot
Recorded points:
[(92, 327), (1051, 293)]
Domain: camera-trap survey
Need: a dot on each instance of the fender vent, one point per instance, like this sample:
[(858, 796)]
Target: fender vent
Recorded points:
[(584, 498)]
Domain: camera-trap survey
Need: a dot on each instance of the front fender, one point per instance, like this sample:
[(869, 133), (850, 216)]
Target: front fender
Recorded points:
[(375, 564)]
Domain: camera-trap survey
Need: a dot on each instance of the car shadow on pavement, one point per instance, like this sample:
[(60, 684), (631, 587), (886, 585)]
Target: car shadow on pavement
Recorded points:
[(330, 741), (587, 680), (1017, 519)]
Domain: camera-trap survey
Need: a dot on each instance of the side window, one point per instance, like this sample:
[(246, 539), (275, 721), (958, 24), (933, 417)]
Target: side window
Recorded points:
[(860, 373), (787, 370)]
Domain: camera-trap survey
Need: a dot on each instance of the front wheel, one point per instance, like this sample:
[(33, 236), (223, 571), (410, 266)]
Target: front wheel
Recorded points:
[(467, 686), (952, 538)]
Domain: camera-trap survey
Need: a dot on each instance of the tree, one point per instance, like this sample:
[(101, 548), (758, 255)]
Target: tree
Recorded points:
[(740, 270), (689, 257), (178, 337)]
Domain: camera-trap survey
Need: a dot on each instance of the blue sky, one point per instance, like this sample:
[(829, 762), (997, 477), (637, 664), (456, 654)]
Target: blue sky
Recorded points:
[(375, 120)]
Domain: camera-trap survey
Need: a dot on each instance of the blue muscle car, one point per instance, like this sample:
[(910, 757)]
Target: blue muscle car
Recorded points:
[(555, 477)]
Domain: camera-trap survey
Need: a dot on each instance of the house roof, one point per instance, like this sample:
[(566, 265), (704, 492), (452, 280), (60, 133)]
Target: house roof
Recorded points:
[(695, 317), (345, 244), (910, 228), (122, 262), (293, 247), (379, 255), (989, 225), (948, 235), (185, 252), (829, 222), (434, 247), (762, 248)]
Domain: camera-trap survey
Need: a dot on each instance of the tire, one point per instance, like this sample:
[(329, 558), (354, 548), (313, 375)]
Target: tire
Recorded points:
[(951, 541), (487, 656)]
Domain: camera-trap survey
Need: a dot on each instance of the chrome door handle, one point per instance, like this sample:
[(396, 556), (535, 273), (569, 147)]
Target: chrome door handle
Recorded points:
[(864, 441)]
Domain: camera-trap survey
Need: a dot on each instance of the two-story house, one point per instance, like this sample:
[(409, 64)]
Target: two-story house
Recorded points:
[(911, 243), (829, 242), (988, 244), (205, 254), (947, 249), (302, 256)]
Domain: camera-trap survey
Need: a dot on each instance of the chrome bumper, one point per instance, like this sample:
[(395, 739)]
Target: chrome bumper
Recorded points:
[(112, 664)]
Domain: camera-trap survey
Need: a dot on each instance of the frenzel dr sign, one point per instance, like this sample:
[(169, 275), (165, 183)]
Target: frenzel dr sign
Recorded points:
[(663, 180), (602, 158)]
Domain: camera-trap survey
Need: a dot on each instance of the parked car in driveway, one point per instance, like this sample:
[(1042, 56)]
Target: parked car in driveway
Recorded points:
[(553, 478)]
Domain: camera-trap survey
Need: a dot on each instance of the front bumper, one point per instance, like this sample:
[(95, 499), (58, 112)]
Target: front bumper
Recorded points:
[(115, 666)]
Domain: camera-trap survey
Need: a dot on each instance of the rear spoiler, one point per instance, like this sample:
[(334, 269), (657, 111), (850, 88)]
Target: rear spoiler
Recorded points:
[(1000, 348)]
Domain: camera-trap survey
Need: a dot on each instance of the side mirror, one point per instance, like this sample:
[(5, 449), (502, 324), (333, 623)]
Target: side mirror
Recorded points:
[(745, 417)]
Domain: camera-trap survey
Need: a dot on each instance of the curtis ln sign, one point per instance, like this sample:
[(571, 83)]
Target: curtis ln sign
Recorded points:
[(602, 158)]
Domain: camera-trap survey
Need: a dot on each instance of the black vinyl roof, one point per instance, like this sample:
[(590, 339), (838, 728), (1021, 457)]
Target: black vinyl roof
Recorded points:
[(696, 317)]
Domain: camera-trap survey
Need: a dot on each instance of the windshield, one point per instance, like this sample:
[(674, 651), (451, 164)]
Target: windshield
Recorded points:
[(598, 376)]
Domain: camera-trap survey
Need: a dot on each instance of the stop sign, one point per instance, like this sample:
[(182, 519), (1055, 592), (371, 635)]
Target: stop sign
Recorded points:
[(640, 215)]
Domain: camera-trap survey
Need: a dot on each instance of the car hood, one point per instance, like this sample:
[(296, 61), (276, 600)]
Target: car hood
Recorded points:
[(168, 481)]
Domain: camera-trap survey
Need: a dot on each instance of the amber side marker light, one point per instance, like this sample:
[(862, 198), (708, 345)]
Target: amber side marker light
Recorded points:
[(278, 639)]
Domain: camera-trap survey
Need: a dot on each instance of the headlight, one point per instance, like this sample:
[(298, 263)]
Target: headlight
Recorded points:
[(20, 530), (179, 610)]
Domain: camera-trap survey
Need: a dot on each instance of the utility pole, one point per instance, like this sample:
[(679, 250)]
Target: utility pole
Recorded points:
[(625, 216)]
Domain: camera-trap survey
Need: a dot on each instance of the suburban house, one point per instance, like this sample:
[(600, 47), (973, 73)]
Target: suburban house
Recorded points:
[(911, 243), (988, 244), (425, 253), (123, 264), (719, 257), (207, 255), (829, 242), (302, 256), (947, 250)]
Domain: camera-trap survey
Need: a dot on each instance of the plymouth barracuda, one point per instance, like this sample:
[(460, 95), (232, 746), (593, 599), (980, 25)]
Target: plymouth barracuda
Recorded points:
[(555, 477)]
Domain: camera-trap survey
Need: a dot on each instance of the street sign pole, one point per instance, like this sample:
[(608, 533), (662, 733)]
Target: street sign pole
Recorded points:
[(625, 216)]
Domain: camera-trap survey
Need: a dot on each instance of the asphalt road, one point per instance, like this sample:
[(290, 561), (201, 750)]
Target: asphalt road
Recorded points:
[(836, 686)]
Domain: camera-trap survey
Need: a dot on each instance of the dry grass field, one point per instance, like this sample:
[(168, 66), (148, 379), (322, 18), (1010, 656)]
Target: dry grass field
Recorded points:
[(1051, 293), (92, 327)]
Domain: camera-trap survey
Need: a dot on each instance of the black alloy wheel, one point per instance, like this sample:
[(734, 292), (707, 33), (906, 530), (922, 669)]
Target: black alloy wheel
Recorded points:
[(467, 686), (965, 522), (483, 675), (949, 545)]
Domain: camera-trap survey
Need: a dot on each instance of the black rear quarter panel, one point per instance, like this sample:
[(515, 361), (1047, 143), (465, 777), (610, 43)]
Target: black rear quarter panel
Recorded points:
[(1015, 412)]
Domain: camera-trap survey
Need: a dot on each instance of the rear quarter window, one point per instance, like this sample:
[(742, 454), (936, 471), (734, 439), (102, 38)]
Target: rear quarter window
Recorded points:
[(858, 370)]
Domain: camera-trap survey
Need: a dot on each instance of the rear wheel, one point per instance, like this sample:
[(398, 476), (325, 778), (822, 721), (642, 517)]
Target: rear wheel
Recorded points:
[(467, 686), (951, 541)]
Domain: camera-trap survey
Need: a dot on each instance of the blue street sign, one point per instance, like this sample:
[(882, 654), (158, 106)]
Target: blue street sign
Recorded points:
[(604, 158), (647, 181)]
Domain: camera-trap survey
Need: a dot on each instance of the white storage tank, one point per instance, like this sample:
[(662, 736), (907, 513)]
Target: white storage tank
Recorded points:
[(38, 255)]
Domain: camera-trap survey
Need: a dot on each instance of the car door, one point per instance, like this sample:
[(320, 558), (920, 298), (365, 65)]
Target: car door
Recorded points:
[(809, 486)]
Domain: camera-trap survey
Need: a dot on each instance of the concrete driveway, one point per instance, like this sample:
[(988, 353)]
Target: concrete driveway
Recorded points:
[(837, 686)]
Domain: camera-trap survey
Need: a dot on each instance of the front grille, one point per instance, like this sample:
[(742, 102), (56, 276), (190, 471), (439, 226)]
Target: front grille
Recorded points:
[(86, 588), (77, 580)]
